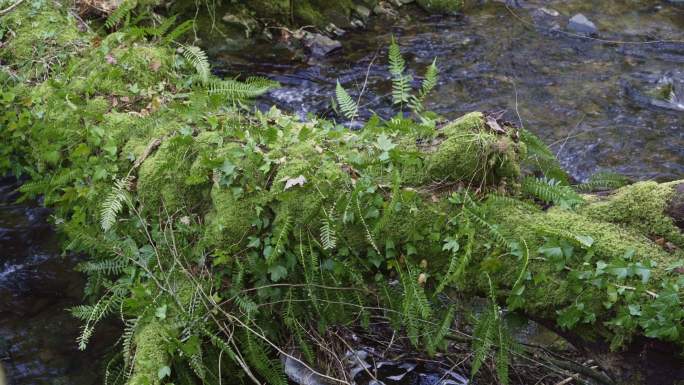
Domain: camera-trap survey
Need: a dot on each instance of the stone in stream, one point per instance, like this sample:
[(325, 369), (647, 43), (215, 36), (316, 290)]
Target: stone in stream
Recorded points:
[(320, 45), (579, 23)]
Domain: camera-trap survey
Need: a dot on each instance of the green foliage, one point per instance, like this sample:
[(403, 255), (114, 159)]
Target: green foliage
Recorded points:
[(551, 191), (250, 234), (604, 181), (347, 105), (199, 60)]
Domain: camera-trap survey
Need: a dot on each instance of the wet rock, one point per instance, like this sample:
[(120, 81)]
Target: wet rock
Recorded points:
[(248, 23), (361, 11), (320, 45), (579, 23), (386, 10), (334, 30), (676, 207), (549, 11)]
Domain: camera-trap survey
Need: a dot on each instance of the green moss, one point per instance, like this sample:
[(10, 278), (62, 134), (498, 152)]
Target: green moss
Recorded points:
[(640, 206), (229, 222), (441, 6), (42, 37), (162, 178), (472, 154), (150, 354)]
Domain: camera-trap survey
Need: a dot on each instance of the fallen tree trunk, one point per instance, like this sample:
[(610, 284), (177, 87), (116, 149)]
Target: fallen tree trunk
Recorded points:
[(204, 221)]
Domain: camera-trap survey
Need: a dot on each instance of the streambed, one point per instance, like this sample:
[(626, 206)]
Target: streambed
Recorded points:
[(595, 100)]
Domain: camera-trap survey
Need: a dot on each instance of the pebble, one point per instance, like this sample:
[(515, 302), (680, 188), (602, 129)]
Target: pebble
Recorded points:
[(580, 23)]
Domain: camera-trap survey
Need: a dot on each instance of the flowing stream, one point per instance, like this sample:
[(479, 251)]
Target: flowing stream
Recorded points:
[(602, 104), (595, 101)]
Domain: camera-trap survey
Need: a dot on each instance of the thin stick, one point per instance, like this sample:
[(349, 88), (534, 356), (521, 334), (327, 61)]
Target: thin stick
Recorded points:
[(10, 8)]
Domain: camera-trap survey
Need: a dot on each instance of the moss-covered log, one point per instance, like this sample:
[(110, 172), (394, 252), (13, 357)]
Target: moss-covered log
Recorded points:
[(164, 186)]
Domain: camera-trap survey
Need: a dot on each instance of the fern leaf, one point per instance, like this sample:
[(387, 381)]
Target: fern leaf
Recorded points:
[(113, 203), (397, 65), (401, 83), (239, 91), (281, 240), (179, 31), (347, 105), (604, 181), (328, 236), (198, 59), (120, 13), (428, 84), (542, 158), (551, 191)]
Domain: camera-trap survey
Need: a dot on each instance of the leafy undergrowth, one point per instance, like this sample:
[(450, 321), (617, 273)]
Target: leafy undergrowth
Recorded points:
[(222, 237)]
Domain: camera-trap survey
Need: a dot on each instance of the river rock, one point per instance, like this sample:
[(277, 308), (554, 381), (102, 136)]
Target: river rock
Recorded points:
[(580, 23), (363, 12), (320, 45), (385, 9)]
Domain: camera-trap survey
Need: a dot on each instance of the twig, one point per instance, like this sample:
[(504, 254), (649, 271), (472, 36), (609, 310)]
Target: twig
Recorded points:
[(10, 8)]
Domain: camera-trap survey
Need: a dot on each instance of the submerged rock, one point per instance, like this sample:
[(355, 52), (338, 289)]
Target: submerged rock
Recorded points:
[(580, 23), (320, 45)]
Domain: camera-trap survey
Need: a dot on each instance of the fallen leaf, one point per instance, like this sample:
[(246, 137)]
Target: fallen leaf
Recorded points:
[(291, 182)]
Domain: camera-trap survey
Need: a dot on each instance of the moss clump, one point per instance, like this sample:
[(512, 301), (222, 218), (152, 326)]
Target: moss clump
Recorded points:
[(441, 6), (150, 354), (39, 38), (640, 206), (162, 178), (473, 154)]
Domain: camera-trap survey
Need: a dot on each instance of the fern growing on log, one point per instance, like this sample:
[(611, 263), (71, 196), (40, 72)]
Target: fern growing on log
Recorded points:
[(604, 181), (198, 59), (347, 105), (401, 83), (113, 203), (122, 12), (551, 191)]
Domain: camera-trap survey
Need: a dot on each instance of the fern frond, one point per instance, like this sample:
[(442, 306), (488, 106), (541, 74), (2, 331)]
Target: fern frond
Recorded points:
[(328, 235), (397, 65), (122, 12), (542, 158), (401, 83), (107, 266), (491, 228), (483, 340), (551, 191), (281, 240), (444, 327), (239, 91), (198, 58), (604, 181), (429, 83), (113, 203), (347, 105), (179, 31)]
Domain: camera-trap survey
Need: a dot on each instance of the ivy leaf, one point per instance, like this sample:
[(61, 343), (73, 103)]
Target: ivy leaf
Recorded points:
[(163, 372), (228, 168), (384, 143), (277, 272), (585, 240), (161, 312), (643, 272), (451, 244)]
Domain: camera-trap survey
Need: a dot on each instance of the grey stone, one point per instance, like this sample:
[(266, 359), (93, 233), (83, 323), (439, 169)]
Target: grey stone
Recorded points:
[(320, 45), (580, 23), (363, 12)]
